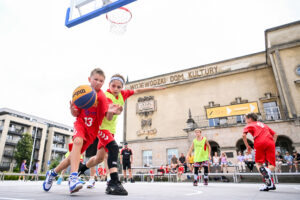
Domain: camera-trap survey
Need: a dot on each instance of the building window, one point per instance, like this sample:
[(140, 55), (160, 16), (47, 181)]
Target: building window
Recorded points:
[(240, 119), (147, 158), (214, 122), (170, 153), (271, 110)]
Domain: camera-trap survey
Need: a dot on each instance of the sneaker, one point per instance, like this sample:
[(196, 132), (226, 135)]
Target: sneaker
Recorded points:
[(132, 180), (50, 176), (115, 188), (267, 176), (264, 188), (74, 183), (91, 183), (59, 180), (195, 183), (205, 181), (125, 180)]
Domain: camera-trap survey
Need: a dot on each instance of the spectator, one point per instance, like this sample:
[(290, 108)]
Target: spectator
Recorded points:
[(224, 162), (102, 172), (240, 162), (183, 162), (216, 161), (126, 160), (191, 163), (152, 175), (23, 169), (296, 157), (174, 164), (279, 160), (249, 161), (180, 171), (289, 160), (161, 170), (167, 169), (35, 171)]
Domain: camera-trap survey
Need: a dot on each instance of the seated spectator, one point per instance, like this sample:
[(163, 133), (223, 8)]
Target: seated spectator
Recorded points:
[(216, 161), (182, 160), (296, 157), (167, 169), (161, 170), (279, 161), (248, 159), (180, 171), (191, 163), (174, 164), (224, 162), (102, 173), (240, 162), (289, 160)]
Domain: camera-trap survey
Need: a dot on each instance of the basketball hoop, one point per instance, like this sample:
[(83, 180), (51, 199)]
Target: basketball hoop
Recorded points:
[(119, 19)]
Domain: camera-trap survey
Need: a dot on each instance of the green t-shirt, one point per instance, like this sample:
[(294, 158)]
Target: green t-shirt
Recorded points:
[(200, 150)]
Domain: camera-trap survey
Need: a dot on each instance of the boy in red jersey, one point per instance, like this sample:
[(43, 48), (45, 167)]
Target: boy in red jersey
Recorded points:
[(180, 171), (264, 145), (115, 95), (86, 129)]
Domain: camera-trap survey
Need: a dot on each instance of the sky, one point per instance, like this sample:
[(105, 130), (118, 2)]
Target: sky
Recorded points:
[(42, 61)]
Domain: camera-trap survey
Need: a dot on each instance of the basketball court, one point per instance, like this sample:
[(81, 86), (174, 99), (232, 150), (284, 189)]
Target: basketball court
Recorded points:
[(13, 190)]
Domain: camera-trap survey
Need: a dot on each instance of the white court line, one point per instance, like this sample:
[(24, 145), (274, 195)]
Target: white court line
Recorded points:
[(195, 193), (8, 198)]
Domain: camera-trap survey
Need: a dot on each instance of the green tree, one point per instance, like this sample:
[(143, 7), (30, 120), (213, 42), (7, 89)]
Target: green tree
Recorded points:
[(23, 150), (54, 163)]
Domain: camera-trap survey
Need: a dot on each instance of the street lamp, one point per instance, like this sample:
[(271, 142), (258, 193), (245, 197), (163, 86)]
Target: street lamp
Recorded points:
[(32, 152), (191, 124)]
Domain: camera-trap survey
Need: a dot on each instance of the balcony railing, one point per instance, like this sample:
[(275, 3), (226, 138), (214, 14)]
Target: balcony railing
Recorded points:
[(5, 164), (271, 114), (15, 131), (11, 142), (59, 149), (58, 140), (8, 153)]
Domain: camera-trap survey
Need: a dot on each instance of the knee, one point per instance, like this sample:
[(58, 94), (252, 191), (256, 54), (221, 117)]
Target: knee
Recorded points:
[(78, 141)]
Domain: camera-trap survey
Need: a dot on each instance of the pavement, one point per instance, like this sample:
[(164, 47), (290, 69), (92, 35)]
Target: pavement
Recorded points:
[(19, 190)]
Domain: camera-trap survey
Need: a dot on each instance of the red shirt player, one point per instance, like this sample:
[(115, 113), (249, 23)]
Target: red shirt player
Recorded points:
[(264, 145)]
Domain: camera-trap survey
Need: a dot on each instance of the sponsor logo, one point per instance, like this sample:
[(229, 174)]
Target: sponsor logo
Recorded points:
[(79, 92)]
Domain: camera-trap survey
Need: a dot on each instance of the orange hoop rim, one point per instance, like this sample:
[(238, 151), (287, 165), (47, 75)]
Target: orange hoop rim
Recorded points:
[(115, 22)]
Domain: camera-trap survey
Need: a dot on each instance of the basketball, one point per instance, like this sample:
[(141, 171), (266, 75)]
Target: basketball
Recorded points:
[(84, 96)]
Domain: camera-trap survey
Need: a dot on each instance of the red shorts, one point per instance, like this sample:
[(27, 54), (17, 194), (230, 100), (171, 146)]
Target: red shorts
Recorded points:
[(88, 134), (105, 137), (265, 151)]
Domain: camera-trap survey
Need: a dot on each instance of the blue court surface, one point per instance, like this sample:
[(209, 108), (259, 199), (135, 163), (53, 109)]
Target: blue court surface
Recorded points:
[(19, 190)]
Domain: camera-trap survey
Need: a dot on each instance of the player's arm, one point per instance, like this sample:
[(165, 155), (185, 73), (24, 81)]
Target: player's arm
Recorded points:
[(190, 151), (209, 149), (131, 157), (112, 110), (121, 157), (141, 90), (246, 142), (74, 111), (274, 134)]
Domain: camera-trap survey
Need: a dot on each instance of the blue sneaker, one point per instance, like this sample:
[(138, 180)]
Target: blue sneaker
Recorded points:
[(59, 180), (50, 176), (74, 183)]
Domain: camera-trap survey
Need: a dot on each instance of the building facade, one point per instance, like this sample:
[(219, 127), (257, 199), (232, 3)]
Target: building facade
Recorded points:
[(51, 138), (214, 97)]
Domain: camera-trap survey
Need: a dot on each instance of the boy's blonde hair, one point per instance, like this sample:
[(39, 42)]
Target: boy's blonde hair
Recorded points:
[(97, 71), (198, 129)]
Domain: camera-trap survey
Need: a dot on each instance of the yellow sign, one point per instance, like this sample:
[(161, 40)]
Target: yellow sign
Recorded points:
[(225, 111)]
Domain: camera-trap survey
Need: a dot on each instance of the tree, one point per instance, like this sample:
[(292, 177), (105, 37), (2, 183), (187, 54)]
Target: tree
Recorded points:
[(54, 163), (24, 149)]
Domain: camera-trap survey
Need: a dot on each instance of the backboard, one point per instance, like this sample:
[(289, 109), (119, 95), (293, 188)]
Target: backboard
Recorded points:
[(83, 10)]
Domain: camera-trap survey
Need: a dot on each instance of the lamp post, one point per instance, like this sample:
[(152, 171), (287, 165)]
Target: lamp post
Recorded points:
[(32, 152), (191, 124)]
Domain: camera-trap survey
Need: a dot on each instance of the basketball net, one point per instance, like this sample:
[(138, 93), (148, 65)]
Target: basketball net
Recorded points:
[(119, 19)]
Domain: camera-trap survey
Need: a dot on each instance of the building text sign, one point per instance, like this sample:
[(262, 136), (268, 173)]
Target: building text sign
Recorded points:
[(232, 110)]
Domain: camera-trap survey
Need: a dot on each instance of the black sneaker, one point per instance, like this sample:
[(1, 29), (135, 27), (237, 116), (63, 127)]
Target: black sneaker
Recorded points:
[(115, 188), (125, 180), (132, 180), (195, 183)]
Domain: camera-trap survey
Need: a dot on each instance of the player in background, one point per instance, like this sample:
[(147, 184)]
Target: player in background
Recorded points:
[(126, 158), (202, 151), (264, 145)]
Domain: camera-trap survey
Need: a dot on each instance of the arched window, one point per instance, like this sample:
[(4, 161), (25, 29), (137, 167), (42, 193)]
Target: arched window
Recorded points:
[(240, 146), (215, 147), (284, 144)]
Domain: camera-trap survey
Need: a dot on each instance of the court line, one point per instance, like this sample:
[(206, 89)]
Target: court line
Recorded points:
[(8, 198), (195, 193)]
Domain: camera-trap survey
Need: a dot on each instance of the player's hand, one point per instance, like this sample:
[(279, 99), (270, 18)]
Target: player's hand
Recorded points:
[(74, 110), (119, 110), (249, 149)]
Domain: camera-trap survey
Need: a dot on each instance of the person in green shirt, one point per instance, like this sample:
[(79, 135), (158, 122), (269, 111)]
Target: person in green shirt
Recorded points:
[(202, 151)]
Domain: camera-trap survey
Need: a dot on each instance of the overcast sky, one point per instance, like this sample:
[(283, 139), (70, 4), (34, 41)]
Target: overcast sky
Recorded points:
[(42, 61)]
